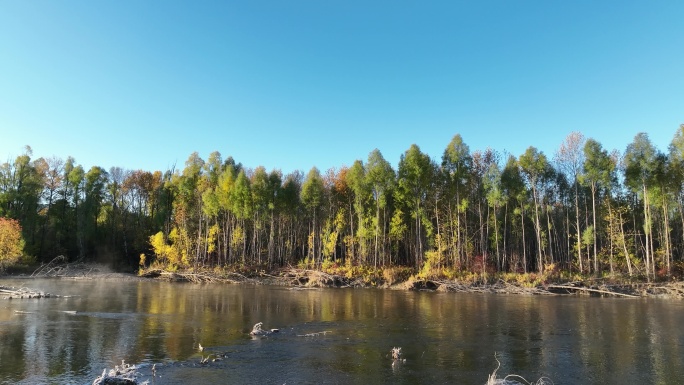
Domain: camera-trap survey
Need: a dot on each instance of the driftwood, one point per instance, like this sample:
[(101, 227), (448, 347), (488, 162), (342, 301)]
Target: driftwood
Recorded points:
[(59, 267), (52, 268), (23, 293), (204, 277), (669, 290), (590, 290), (315, 278), (499, 287), (258, 331), (121, 375), (316, 334)]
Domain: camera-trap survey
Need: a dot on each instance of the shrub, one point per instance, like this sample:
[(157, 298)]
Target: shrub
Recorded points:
[(396, 274)]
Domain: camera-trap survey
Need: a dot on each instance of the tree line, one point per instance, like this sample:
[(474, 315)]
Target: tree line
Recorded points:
[(582, 209)]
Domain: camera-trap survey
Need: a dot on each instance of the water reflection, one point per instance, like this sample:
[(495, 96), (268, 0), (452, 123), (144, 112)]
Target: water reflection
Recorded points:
[(445, 338)]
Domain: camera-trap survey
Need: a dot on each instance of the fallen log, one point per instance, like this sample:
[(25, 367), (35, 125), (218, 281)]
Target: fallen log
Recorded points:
[(22, 293), (590, 290)]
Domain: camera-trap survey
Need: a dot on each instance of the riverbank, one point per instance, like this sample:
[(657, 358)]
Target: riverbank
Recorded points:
[(394, 279), (524, 284)]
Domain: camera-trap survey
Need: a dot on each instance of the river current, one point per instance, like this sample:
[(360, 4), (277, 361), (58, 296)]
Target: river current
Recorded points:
[(333, 336)]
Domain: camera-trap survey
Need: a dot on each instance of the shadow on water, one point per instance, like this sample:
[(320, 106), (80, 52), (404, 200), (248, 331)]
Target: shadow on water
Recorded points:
[(332, 336)]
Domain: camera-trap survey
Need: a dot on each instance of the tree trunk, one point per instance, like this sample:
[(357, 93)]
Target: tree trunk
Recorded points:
[(593, 211)]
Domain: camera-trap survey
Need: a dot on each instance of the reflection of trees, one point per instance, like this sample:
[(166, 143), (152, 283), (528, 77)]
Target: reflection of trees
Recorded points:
[(12, 337), (444, 337)]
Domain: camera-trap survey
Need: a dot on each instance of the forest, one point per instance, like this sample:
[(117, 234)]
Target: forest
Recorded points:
[(581, 210)]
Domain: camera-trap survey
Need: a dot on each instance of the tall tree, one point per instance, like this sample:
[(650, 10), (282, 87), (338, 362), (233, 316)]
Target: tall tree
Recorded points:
[(537, 170), (94, 195), (52, 171), (598, 169), (456, 171), (262, 195), (77, 179), (242, 207), (312, 196), (570, 159), (513, 185), (640, 165), (676, 158), (381, 180), (495, 198), (358, 183), (416, 171)]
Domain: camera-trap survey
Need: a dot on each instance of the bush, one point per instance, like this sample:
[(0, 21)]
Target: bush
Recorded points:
[(11, 242)]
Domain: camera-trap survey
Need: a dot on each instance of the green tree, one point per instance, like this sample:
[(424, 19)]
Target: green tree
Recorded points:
[(513, 185), (262, 196), (570, 159), (357, 180), (76, 178), (242, 207), (597, 174), (676, 160), (415, 175), (312, 196), (482, 161), (381, 180), (663, 191), (94, 194), (495, 198), (537, 170), (21, 186), (640, 167), (456, 171), (275, 178), (289, 205)]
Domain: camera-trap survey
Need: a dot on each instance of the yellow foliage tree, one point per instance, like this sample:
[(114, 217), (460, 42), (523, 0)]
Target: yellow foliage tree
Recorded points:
[(165, 253), (11, 242)]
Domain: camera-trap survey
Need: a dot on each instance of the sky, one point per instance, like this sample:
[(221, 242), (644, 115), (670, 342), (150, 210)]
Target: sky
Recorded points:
[(295, 84)]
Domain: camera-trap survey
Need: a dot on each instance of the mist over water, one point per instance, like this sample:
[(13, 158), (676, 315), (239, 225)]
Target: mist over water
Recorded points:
[(445, 337)]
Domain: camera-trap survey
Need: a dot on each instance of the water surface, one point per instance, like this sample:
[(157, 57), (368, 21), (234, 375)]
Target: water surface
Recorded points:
[(446, 338)]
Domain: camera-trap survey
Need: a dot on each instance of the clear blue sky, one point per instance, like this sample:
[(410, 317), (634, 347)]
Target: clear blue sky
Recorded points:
[(296, 84)]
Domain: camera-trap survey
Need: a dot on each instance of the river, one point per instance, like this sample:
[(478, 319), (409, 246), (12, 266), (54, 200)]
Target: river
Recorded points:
[(333, 336)]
